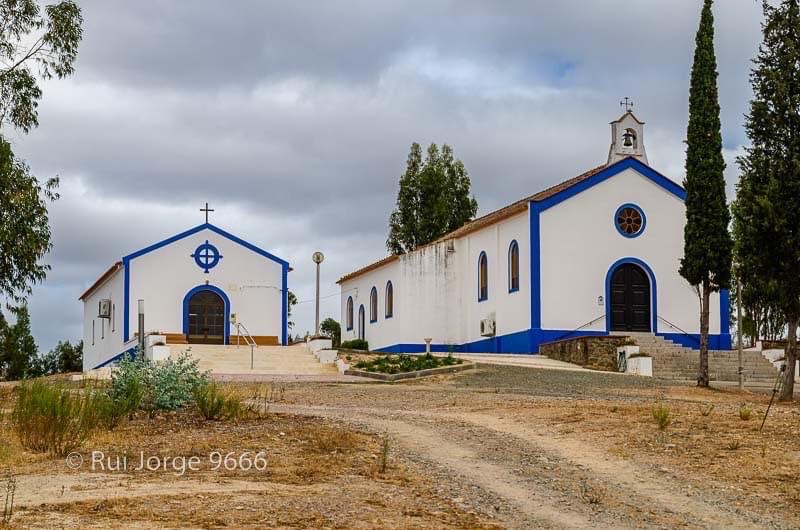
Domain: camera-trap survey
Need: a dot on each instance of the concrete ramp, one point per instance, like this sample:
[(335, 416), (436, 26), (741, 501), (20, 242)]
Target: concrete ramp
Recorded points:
[(267, 360)]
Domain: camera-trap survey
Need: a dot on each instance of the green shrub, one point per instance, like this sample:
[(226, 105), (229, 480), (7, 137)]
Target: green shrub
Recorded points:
[(355, 344), (745, 412), (214, 404), (139, 383), (395, 364), (50, 418), (661, 414)]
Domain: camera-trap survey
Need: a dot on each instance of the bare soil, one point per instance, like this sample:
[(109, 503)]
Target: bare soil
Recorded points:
[(499, 447)]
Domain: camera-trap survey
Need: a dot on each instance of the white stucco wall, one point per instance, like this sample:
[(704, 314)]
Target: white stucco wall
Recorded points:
[(163, 277), (579, 243), (436, 290), (102, 338)]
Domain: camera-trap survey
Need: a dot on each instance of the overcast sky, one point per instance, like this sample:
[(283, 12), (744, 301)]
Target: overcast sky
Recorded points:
[(294, 119)]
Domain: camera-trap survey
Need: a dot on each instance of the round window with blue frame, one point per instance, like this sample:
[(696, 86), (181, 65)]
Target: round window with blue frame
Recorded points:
[(630, 220), (206, 256)]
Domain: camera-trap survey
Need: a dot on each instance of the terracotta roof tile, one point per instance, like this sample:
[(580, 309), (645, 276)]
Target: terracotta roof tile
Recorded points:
[(102, 279), (488, 219)]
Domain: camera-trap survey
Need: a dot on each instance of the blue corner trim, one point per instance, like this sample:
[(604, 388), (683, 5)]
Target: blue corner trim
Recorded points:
[(725, 319), (513, 245), (285, 305), (481, 257), (641, 213), (653, 291), (536, 271), (349, 316), (126, 321), (213, 289)]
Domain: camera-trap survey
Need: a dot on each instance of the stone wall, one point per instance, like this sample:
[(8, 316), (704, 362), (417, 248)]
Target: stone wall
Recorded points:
[(596, 352)]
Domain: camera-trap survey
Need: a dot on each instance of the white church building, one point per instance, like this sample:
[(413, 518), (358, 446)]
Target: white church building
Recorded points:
[(597, 254), (192, 286)]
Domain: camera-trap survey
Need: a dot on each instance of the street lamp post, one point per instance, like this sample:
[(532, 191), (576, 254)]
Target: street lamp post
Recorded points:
[(318, 258)]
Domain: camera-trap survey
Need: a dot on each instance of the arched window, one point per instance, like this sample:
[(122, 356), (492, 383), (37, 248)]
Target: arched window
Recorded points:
[(483, 277), (349, 313), (513, 267), (362, 333), (373, 305), (389, 300)]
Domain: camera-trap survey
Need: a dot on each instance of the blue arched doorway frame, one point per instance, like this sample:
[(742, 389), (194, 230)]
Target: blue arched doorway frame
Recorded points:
[(653, 290), (213, 289)]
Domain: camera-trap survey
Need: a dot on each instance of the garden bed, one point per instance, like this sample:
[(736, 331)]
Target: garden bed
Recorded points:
[(399, 367)]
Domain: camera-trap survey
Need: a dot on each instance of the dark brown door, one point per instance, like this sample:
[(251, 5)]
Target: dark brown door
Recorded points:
[(206, 318), (630, 299)]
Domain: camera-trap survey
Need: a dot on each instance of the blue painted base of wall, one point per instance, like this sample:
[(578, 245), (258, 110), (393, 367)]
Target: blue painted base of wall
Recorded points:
[(131, 352), (528, 342)]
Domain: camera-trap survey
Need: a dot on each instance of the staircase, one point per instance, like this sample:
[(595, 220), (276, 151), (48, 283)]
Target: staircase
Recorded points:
[(676, 362), (267, 360)]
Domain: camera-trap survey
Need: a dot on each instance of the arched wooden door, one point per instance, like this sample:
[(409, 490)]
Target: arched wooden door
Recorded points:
[(206, 318), (630, 299)]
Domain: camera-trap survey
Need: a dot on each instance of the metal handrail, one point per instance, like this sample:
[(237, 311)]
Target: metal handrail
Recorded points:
[(249, 340), (567, 334), (673, 326)]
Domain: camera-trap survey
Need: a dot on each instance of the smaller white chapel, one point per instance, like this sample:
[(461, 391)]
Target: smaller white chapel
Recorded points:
[(597, 254), (193, 286)]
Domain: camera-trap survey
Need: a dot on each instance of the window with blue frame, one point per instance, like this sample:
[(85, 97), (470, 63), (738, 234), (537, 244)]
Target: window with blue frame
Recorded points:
[(373, 305), (349, 313), (389, 300), (483, 277), (513, 267), (630, 221)]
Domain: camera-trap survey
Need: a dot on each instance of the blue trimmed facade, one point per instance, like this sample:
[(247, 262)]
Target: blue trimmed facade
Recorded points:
[(127, 263), (529, 340)]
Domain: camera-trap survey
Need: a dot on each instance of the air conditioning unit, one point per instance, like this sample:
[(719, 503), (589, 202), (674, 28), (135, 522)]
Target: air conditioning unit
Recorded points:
[(487, 327), (104, 311)]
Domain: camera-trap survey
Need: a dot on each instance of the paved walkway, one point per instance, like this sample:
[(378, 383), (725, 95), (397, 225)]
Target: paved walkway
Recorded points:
[(518, 359)]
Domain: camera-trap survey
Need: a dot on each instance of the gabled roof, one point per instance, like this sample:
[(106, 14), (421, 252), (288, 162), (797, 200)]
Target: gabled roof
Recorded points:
[(102, 279), (199, 228), (549, 197)]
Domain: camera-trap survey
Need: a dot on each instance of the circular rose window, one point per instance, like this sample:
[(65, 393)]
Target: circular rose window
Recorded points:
[(629, 220)]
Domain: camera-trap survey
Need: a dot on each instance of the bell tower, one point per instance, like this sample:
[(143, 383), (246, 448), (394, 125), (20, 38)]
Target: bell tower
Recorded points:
[(627, 136)]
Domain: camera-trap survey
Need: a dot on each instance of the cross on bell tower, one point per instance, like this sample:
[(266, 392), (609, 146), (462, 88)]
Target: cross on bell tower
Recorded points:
[(627, 104), (206, 210)]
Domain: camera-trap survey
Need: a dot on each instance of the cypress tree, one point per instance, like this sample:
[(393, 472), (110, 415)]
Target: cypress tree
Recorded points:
[(706, 262), (767, 207), (434, 199)]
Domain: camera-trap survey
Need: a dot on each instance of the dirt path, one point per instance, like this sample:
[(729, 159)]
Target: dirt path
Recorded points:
[(543, 479)]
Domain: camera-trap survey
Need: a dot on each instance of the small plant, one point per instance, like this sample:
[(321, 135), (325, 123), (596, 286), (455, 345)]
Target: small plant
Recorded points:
[(592, 494), (214, 404), (8, 505), (615, 409), (355, 344), (745, 412), (383, 457), (50, 418), (661, 414), (734, 444), (705, 410)]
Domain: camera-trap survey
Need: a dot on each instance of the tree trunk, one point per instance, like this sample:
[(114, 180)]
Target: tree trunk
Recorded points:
[(791, 359), (702, 376)]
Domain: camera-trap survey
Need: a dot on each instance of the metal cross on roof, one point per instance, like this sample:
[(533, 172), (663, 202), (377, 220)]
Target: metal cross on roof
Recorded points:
[(627, 103), (206, 209)]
